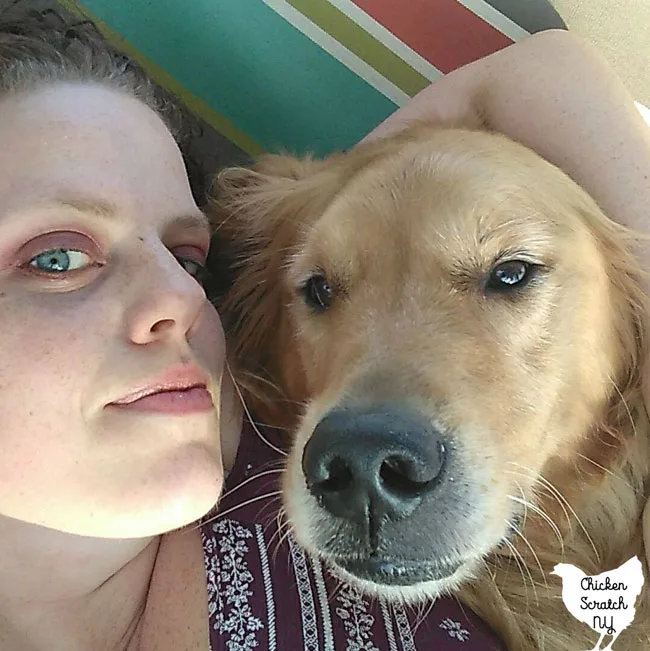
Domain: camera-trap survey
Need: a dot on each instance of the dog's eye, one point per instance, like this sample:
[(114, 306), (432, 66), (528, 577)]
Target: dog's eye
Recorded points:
[(318, 293), (508, 275)]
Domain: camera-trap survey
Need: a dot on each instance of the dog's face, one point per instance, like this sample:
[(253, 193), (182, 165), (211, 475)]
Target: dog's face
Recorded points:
[(453, 312)]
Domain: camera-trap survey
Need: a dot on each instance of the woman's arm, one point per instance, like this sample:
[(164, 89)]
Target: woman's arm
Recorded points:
[(557, 95)]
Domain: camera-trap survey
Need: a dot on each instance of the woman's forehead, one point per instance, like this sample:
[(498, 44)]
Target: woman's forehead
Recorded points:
[(76, 139)]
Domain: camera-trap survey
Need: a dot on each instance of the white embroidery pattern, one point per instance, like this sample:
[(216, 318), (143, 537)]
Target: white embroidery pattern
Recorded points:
[(268, 585), (307, 607), (229, 580), (356, 619), (454, 629), (404, 628), (323, 602), (211, 570), (388, 623)]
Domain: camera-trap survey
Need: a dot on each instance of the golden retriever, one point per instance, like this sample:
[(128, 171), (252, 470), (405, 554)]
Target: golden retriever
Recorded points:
[(452, 331)]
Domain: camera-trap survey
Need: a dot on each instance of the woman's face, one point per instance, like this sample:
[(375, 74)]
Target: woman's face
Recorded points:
[(99, 305)]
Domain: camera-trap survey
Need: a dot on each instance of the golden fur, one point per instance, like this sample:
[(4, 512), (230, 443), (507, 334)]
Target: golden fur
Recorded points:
[(542, 391)]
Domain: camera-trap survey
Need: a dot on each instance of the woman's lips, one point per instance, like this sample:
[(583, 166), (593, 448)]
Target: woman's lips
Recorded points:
[(179, 401), (179, 390)]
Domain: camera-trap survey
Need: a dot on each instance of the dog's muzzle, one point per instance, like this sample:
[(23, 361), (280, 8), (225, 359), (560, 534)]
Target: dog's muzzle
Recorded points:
[(376, 471), (370, 466)]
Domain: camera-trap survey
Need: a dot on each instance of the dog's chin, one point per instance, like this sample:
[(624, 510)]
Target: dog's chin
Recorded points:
[(401, 580)]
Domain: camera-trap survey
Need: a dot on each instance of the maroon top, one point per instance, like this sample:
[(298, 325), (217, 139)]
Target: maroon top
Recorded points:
[(266, 594)]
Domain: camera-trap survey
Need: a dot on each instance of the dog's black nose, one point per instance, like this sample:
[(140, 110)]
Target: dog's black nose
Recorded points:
[(372, 464)]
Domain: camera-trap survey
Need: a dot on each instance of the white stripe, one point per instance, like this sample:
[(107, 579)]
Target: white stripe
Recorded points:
[(404, 628), (495, 18), (338, 51), (387, 38), (323, 602), (268, 586), (307, 608), (645, 112), (388, 623)]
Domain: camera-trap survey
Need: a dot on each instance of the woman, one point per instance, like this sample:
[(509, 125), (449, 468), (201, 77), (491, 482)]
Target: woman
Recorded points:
[(117, 428)]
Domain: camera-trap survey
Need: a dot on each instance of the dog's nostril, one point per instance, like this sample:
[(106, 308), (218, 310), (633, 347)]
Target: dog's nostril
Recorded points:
[(371, 466), (339, 476), (401, 477)]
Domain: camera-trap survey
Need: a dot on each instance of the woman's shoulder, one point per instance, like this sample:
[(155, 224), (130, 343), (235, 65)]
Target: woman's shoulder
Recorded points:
[(265, 592), (175, 615)]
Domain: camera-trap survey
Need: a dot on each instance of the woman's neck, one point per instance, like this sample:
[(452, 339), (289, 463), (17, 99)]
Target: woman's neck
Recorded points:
[(70, 593)]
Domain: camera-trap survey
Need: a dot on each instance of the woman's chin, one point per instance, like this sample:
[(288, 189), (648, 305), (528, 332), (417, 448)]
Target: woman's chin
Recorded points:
[(175, 495), (132, 497), (160, 498)]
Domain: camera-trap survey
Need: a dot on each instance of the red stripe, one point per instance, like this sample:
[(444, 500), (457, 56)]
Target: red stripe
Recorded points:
[(444, 32)]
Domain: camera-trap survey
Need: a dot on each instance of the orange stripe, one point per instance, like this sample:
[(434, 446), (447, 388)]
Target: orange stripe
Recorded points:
[(444, 32)]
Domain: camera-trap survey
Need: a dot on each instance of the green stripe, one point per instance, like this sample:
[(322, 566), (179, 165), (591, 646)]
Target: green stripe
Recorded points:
[(196, 105), (254, 68), (364, 45)]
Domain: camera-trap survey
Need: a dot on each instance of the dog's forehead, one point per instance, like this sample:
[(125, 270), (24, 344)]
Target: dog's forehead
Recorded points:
[(471, 180), (456, 199), (443, 209)]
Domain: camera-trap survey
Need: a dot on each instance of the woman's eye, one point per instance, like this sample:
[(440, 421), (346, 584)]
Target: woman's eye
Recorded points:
[(60, 261), (191, 266), (196, 270)]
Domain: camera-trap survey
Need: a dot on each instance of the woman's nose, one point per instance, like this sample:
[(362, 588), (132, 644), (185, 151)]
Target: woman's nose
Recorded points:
[(166, 303)]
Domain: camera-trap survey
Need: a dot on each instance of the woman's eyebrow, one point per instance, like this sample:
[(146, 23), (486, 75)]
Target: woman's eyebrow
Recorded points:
[(108, 210), (97, 207), (194, 220)]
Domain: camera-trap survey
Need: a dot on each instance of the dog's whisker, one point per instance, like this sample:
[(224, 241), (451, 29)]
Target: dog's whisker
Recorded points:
[(258, 475), (247, 378), (271, 524), (625, 405), (425, 609), (523, 537), (608, 471), (555, 495), (265, 513), (340, 584), (262, 380), (490, 568), (535, 556), (250, 418), (282, 532), (523, 497), (520, 562), (283, 536), (542, 514), (492, 572), (280, 520), (265, 496), (269, 426), (561, 499)]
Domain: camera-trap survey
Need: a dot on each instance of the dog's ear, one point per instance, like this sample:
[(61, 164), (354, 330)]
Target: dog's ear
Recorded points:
[(260, 216), (625, 424)]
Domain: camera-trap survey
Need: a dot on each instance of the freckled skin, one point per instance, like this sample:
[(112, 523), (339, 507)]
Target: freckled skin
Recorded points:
[(72, 345)]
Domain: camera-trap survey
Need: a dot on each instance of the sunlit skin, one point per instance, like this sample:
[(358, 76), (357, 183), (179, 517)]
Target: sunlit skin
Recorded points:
[(101, 246)]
